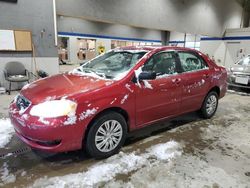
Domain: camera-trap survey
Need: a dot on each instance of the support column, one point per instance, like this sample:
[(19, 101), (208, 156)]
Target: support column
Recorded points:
[(73, 48), (165, 37)]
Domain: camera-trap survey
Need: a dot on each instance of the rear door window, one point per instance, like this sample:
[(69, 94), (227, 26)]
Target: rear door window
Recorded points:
[(191, 62)]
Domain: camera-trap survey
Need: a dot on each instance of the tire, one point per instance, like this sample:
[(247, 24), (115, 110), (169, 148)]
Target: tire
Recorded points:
[(108, 128), (209, 105)]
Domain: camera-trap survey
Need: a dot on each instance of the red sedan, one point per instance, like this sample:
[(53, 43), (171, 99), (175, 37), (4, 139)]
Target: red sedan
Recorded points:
[(125, 89)]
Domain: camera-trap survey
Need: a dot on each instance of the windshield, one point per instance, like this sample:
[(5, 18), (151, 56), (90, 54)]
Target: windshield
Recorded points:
[(113, 64), (244, 61)]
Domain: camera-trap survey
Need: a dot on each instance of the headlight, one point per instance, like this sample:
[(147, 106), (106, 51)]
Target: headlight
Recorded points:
[(55, 108)]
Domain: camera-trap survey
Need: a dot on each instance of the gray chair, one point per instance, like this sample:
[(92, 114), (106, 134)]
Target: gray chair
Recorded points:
[(15, 72)]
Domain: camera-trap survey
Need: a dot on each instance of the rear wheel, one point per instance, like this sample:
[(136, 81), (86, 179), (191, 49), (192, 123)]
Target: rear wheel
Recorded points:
[(106, 135), (209, 105)]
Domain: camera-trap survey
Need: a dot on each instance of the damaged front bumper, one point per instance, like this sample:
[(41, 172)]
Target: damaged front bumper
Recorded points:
[(50, 135)]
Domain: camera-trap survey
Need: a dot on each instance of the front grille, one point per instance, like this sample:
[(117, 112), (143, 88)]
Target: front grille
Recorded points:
[(22, 103)]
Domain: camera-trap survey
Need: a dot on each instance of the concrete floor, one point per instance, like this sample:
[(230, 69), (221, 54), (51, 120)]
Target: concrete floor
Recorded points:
[(214, 153)]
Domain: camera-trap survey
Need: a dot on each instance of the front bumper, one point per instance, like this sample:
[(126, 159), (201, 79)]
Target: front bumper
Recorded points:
[(232, 81), (50, 137)]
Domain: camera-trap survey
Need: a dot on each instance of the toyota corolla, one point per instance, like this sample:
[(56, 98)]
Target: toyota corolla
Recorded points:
[(96, 105)]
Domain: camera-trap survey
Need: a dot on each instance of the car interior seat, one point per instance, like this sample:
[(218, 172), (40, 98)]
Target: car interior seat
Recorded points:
[(165, 66), (192, 63)]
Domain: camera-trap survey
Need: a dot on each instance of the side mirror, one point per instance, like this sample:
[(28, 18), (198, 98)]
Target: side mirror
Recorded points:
[(147, 76)]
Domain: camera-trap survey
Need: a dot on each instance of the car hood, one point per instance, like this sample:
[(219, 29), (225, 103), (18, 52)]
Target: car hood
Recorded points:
[(62, 85), (241, 68)]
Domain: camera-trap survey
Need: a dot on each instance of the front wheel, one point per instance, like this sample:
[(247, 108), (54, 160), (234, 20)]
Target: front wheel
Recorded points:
[(209, 105), (106, 135)]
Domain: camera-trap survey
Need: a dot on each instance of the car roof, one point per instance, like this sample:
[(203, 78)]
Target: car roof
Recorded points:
[(155, 48)]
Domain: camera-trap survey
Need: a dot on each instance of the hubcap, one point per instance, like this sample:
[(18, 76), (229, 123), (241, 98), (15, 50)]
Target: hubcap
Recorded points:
[(108, 136), (211, 104)]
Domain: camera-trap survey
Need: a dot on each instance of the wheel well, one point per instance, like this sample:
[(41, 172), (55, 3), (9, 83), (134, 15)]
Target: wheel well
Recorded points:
[(114, 109), (216, 89)]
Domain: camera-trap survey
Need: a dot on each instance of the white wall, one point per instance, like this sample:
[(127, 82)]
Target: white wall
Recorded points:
[(74, 28), (205, 17), (233, 47), (215, 49), (226, 51), (81, 26), (34, 16), (179, 39)]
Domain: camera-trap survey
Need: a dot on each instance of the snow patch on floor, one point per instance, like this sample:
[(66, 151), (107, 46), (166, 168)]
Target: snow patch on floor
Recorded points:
[(6, 132), (101, 172), (6, 176), (166, 151), (105, 171), (221, 164), (188, 171), (234, 138), (241, 135), (23, 173), (209, 132)]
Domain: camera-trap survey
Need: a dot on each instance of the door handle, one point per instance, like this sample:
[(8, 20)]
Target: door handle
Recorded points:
[(176, 81)]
